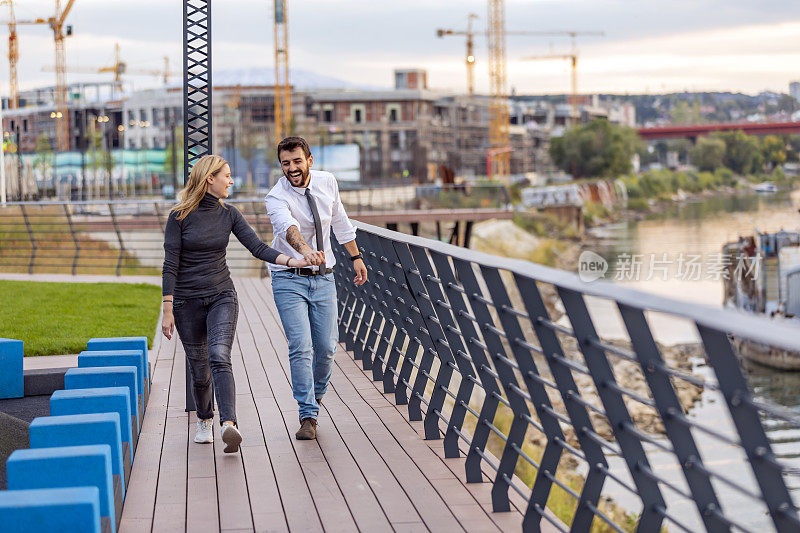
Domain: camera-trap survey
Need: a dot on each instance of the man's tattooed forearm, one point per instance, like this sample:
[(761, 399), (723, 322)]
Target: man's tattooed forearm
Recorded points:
[(295, 239)]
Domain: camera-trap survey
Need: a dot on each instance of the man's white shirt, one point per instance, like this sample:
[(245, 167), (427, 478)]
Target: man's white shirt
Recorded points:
[(288, 206)]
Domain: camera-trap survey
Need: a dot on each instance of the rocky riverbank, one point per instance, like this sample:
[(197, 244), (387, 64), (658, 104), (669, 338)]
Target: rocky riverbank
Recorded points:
[(503, 237)]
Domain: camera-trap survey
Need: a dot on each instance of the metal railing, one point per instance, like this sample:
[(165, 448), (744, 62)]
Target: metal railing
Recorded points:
[(118, 238), (514, 365)]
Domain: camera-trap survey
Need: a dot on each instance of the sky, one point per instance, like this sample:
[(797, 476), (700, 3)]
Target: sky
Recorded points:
[(648, 46)]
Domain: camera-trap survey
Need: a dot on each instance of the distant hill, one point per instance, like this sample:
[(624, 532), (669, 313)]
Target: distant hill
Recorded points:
[(300, 79)]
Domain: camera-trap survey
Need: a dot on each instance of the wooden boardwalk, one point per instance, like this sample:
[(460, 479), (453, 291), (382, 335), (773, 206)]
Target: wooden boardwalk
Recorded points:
[(368, 470)]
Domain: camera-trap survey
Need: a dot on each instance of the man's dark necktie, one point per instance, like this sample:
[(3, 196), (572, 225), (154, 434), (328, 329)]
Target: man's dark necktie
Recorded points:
[(317, 225)]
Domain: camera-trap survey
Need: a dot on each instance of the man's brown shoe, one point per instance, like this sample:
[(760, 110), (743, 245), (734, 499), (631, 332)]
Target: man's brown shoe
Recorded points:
[(308, 429)]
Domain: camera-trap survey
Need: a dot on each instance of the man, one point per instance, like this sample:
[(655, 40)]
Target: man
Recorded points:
[(303, 207)]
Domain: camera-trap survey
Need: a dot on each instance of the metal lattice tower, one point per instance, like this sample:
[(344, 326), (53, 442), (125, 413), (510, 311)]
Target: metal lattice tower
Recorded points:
[(499, 155), (196, 82)]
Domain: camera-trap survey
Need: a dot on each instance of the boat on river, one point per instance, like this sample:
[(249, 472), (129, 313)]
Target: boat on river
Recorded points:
[(766, 187), (763, 277)]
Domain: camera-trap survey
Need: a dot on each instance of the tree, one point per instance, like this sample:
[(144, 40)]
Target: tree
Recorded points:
[(44, 156), (178, 149), (596, 149), (251, 144), (773, 150), (683, 113), (708, 153), (742, 151), (787, 103)]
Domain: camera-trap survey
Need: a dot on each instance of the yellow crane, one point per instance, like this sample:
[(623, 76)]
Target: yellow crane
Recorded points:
[(120, 68), (56, 23), (13, 56), (62, 122), (283, 92), (470, 57), (573, 58), (498, 160)]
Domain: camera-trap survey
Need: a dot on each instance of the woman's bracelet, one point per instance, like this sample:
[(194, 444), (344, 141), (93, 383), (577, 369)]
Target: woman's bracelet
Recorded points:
[(164, 301)]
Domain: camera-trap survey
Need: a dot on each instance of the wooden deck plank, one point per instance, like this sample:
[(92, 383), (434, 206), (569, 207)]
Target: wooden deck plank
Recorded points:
[(170, 508), (202, 507), (369, 470), (328, 498), (267, 508), (141, 491), (298, 505)]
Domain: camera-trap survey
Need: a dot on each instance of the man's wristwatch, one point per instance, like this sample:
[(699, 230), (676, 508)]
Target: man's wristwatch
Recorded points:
[(357, 256)]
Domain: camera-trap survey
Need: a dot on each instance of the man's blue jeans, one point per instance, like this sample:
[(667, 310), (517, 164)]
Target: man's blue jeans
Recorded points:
[(307, 306)]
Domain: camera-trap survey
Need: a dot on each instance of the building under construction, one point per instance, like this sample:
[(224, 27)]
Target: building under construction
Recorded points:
[(408, 133)]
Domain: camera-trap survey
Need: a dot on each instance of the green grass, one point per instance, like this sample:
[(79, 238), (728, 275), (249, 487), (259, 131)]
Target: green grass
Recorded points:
[(58, 318)]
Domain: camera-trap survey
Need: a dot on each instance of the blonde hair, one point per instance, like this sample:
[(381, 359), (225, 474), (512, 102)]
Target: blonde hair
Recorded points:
[(197, 186)]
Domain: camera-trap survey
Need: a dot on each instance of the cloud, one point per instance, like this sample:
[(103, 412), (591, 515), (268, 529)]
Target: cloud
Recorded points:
[(648, 44)]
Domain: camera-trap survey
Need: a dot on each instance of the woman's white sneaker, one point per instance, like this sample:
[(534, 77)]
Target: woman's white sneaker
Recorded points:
[(231, 437), (205, 431)]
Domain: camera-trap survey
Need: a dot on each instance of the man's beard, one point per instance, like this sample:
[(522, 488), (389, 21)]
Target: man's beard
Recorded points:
[(304, 178)]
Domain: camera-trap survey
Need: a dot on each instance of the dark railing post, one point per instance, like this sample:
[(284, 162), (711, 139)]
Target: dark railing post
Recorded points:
[(409, 288), (439, 347), (121, 255), (669, 407), (369, 358), (618, 416), (409, 349), (748, 425), (478, 350), (447, 307), (579, 417), (508, 381), (381, 325), (75, 241), (549, 424), (31, 236), (393, 318)]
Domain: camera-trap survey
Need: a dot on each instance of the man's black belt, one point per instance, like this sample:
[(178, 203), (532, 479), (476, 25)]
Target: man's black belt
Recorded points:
[(308, 271)]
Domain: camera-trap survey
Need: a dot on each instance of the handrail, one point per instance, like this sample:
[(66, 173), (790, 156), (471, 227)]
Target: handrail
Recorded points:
[(474, 345)]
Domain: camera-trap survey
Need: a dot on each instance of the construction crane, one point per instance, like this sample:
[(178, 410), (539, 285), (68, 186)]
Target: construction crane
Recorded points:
[(283, 94), (57, 25), (120, 68), (573, 58), (13, 56), (60, 32), (470, 57), (498, 159)]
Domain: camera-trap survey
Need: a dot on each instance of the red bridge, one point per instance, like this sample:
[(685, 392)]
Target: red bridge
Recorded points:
[(751, 128)]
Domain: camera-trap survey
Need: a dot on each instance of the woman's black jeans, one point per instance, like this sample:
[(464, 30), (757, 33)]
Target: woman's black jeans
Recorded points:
[(207, 326)]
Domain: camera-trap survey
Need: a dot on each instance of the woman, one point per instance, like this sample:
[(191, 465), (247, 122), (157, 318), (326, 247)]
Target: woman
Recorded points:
[(199, 296)]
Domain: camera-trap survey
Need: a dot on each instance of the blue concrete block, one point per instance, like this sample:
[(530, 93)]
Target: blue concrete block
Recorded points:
[(11, 385), (70, 466), (89, 359), (97, 400), (121, 343), (110, 376), (68, 510), (76, 430)]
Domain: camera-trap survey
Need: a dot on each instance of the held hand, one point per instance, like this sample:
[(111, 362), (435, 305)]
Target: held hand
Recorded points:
[(168, 324), (314, 257), (298, 263), (361, 272)]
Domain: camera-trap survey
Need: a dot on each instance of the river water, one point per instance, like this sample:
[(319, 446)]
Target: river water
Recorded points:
[(698, 229)]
